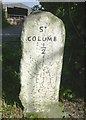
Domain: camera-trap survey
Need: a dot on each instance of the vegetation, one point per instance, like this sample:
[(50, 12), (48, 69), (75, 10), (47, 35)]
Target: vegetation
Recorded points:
[(72, 15)]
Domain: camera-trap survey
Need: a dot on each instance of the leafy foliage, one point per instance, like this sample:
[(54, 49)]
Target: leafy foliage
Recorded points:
[(66, 94), (72, 15), (11, 77)]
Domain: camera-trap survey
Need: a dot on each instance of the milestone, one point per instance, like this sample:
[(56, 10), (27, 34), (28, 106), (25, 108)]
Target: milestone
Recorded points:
[(42, 38)]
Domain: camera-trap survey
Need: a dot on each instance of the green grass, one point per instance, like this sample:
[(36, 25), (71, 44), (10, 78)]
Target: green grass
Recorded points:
[(11, 111)]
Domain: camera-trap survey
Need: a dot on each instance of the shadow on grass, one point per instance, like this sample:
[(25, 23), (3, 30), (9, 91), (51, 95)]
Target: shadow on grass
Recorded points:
[(11, 56)]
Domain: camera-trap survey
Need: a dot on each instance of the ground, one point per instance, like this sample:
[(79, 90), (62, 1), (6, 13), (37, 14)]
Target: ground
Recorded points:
[(71, 110)]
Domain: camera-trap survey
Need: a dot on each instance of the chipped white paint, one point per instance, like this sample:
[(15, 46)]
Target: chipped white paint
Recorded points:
[(43, 38)]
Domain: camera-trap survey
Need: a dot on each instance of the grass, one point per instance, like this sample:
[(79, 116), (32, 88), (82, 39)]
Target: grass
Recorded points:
[(11, 111)]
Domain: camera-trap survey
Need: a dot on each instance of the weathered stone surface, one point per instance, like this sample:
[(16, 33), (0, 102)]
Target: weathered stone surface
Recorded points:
[(43, 38)]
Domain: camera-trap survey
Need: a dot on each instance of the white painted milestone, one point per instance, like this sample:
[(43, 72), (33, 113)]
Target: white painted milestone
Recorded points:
[(43, 38)]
